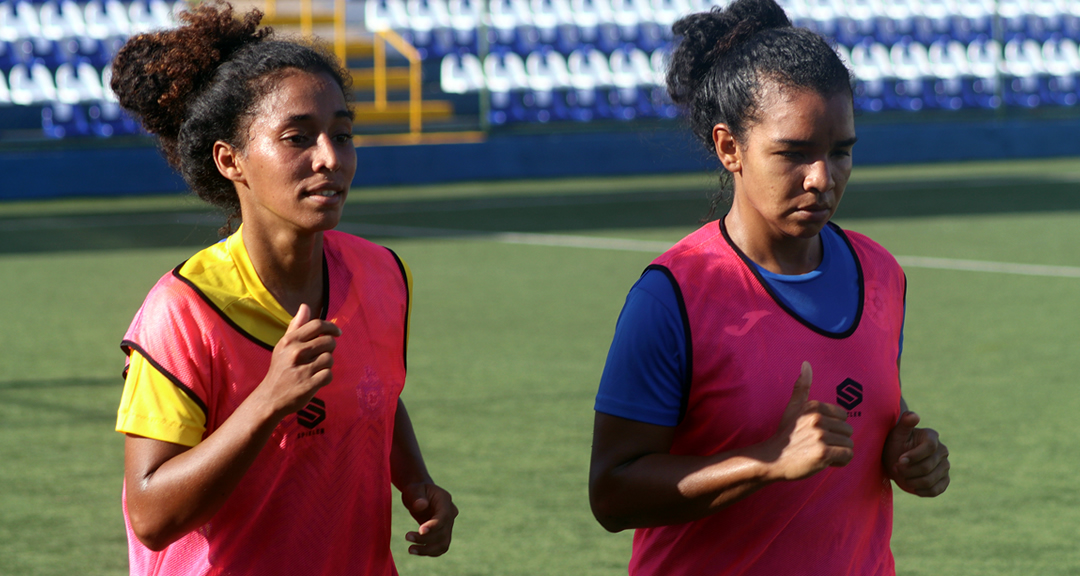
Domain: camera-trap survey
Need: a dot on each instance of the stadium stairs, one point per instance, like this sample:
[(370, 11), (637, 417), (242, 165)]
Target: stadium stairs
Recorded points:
[(396, 96)]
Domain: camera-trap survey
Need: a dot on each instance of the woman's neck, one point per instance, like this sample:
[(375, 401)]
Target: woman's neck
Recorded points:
[(770, 248), (289, 265)]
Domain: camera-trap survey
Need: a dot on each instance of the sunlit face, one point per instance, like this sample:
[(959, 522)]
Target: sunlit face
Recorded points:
[(790, 168), (298, 160)]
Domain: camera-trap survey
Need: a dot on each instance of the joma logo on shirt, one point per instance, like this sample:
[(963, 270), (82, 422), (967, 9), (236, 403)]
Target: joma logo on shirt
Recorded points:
[(312, 415)]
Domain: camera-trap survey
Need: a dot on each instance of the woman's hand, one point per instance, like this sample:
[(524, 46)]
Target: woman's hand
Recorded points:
[(301, 363), (915, 459), (434, 510), (812, 435)]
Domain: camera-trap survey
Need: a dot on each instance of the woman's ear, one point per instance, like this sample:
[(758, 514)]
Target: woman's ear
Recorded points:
[(228, 161), (727, 150)]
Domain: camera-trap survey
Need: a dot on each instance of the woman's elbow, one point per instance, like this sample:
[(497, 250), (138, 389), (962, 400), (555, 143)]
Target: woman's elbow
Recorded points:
[(153, 532), (606, 510)]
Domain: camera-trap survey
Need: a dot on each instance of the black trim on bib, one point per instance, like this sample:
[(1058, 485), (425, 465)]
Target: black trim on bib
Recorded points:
[(322, 314), (408, 308), (688, 376), (128, 346), (765, 285), (176, 273)]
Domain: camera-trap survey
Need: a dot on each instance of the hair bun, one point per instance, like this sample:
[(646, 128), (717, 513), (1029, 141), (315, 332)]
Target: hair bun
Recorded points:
[(706, 37), (156, 75)]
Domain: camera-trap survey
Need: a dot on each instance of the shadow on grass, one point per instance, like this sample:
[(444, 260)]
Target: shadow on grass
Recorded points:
[(563, 212)]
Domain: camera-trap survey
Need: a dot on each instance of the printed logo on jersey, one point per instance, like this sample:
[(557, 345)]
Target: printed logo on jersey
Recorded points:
[(751, 319), (370, 393), (849, 394), (313, 414)]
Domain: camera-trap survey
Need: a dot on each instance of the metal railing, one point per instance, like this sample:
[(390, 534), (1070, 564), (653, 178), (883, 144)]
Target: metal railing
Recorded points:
[(382, 37)]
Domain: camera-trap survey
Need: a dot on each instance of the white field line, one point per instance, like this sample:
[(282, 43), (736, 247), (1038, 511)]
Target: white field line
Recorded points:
[(536, 239), (654, 247), (984, 266)]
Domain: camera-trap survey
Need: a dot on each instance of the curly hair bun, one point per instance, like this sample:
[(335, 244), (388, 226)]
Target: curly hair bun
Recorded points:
[(709, 36), (156, 75)]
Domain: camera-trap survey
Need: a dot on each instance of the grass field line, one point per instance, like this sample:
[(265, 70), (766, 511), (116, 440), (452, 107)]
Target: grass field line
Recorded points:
[(656, 247)]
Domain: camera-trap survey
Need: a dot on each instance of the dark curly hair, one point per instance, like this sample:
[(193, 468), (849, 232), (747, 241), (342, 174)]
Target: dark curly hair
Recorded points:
[(202, 82), (722, 57)]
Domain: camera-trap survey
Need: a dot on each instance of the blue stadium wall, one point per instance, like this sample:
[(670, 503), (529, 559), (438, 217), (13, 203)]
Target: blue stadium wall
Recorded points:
[(139, 169)]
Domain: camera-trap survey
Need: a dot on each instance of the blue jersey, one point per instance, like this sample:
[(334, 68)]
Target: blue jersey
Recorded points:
[(646, 365)]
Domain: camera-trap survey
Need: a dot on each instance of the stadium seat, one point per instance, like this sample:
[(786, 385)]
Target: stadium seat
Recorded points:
[(69, 87), (549, 84), (55, 25), (31, 85), (661, 102), (588, 16), (911, 66), (103, 22), (1022, 73), (1061, 61), (461, 73), (61, 120), (429, 21), (973, 19), (382, 15), (981, 86), (948, 68), (511, 25), (507, 82), (5, 94), (875, 88), (464, 21), (590, 75), (106, 119), (667, 12), (634, 80), (90, 79)]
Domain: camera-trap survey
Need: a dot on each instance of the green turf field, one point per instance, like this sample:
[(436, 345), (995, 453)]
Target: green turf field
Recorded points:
[(518, 286)]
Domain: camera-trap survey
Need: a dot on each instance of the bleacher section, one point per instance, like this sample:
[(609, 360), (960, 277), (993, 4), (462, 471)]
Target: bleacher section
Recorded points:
[(540, 61), (546, 60), (56, 55)]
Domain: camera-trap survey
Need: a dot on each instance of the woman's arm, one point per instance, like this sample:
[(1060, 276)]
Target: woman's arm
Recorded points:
[(431, 506), (173, 489), (636, 482)]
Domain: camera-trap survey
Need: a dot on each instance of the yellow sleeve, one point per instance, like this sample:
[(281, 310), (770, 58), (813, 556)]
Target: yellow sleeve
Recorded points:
[(154, 407)]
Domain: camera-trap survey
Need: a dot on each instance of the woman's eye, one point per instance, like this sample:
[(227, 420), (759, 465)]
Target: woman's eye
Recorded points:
[(296, 138), (343, 138)]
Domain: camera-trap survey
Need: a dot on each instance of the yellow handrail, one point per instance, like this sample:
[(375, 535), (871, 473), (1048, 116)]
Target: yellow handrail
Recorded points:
[(306, 26), (339, 31), (410, 53)]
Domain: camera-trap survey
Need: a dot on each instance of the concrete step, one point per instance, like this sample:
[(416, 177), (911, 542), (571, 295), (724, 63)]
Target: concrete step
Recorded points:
[(397, 78), (398, 112)]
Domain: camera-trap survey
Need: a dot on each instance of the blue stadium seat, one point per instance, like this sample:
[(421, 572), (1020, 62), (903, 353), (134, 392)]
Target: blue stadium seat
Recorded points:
[(948, 68), (1061, 60), (911, 67), (633, 77), (107, 119), (5, 94), (875, 87), (981, 83), (60, 120), (590, 75), (461, 73), (549, 85), (507, 82), (464, 22), (1022, 73)]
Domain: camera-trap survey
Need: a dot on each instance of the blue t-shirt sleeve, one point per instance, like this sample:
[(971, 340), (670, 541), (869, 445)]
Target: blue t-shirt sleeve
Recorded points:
[(646, 365)]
